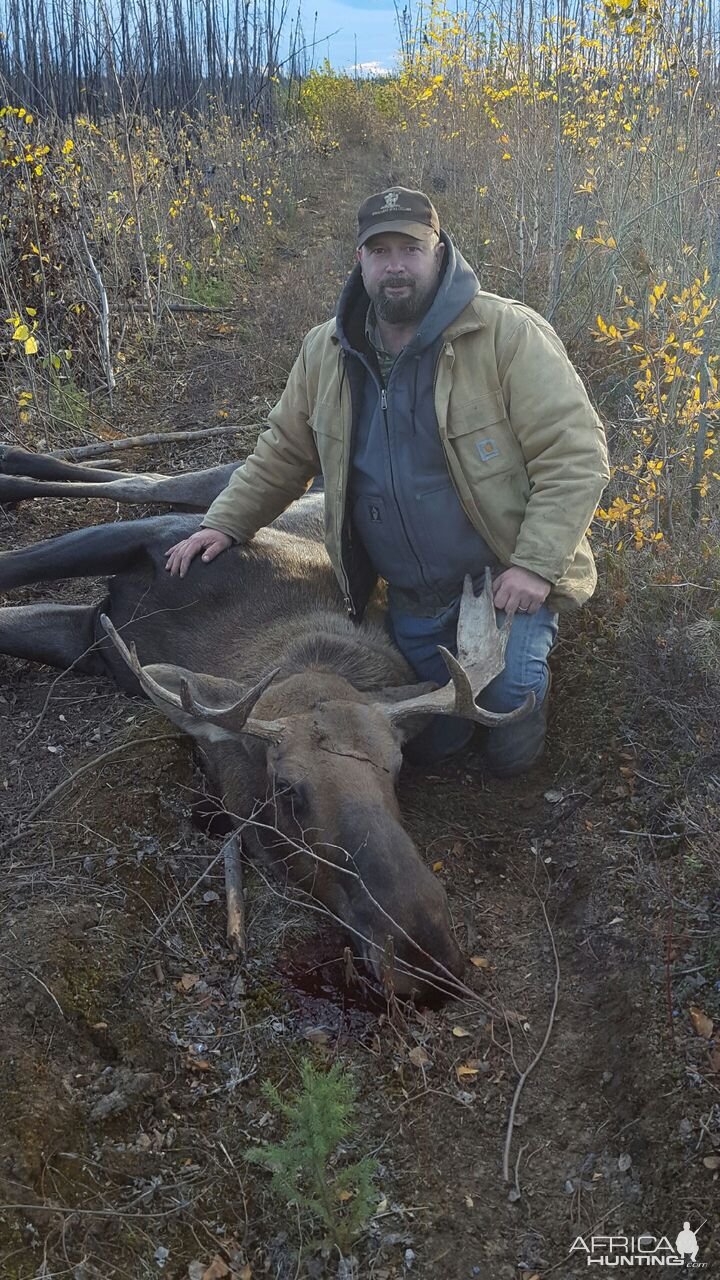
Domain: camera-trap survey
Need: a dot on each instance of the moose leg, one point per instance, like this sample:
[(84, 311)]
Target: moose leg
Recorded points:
[(99, 550), (192, 492), (60, 635), (38, 466)]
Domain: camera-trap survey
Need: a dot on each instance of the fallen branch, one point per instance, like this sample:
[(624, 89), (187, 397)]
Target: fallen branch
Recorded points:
[(138, 442), (181, 308), (234, 894), (531, 1067)]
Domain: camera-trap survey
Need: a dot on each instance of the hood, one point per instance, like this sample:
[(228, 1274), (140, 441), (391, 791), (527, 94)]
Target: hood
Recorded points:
[(458, 286)]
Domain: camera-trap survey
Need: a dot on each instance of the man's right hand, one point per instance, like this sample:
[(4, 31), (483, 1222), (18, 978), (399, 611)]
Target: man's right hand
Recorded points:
[(210, 541)]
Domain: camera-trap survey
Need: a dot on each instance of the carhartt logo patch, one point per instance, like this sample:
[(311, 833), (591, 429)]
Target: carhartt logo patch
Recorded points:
[(487, 449)]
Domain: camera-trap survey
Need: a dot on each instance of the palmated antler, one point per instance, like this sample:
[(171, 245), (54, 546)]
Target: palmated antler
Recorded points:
[(481, 656), (160, 681)]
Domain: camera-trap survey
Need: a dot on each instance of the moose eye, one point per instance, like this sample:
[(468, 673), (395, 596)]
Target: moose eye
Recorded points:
[(292, 794)]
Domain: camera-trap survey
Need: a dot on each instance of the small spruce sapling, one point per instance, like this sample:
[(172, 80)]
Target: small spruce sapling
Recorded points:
[(319, 1117)]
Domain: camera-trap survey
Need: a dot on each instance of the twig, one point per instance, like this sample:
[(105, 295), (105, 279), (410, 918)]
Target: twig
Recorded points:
[(138, 442), (234, 893), (35, 978), (523, 1147), (548, 1032), (182, 308)]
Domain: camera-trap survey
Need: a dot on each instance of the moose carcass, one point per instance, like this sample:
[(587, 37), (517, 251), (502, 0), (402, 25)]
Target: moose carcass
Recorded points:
[(300, 713)]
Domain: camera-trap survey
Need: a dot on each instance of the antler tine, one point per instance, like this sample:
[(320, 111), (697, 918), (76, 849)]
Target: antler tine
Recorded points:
[(464, 704), (235, 717), (481, 657), (154, 690)]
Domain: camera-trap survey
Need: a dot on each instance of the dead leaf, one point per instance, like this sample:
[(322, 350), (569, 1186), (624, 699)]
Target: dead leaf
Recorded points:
[(438, 866), (198, 1064), (480, 962), (466, 1072), (712, 1162), (344, 1196), (418, 1056), (469, 1202), (554, 797), (518, 1019), (187, 982), (218, 1270), (461, 1033), (702, 1024), (715, 1059), (246, 1273), (382, 1207)]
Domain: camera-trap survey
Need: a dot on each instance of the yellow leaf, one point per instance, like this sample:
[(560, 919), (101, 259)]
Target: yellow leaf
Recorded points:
[(68, 147), (460, 1033), (579, 233), (31, 311), (438, 866), (21, 334), (466, 1072), (31, 346), (701, 1023)]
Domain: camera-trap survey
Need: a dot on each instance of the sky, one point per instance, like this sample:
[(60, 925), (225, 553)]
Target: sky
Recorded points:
[(370, 22)]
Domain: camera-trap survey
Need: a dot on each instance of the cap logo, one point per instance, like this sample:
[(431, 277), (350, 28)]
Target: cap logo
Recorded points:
[(391, 199)]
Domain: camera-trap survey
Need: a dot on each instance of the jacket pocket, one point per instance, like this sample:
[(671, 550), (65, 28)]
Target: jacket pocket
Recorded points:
[(483, 440)]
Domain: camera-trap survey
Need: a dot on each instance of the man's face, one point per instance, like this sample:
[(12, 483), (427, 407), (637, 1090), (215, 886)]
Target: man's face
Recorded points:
[(400, 275)]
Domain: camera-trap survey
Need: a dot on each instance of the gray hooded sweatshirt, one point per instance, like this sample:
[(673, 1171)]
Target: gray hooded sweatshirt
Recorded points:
[(404, 507)]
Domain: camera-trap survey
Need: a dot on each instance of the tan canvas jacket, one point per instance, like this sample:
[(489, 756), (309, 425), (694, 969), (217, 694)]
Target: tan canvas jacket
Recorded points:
[(524, 447)]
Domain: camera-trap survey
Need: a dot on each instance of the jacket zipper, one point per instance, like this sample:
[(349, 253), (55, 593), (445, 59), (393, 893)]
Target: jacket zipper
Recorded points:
[(408, 539), (347, 595)]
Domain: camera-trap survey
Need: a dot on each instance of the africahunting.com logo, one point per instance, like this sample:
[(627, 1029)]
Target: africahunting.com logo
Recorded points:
[(641, 1251)]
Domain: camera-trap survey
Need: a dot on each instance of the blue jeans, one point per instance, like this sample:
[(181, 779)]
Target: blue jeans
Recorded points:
[(508, 749)]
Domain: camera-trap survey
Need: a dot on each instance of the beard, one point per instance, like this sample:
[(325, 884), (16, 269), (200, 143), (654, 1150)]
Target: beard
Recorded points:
[(411, 307)]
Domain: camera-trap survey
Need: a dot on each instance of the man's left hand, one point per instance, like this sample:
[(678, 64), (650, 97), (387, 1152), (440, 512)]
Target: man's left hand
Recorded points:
[(519, 590)]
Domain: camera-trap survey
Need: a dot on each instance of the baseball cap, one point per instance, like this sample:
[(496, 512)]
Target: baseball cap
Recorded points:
[(397, 209)]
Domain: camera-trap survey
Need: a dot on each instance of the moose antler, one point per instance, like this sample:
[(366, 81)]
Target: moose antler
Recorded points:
[(481, 656), (158, 680)]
